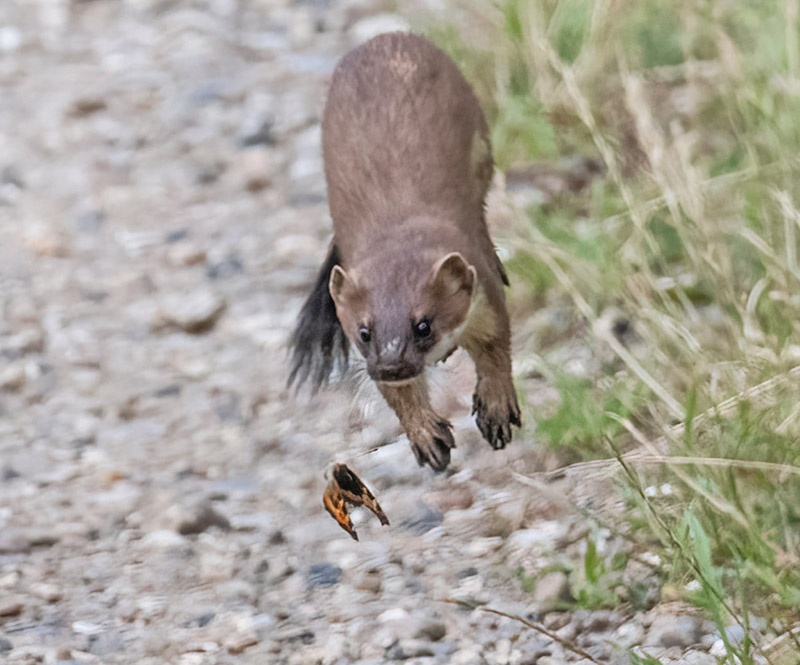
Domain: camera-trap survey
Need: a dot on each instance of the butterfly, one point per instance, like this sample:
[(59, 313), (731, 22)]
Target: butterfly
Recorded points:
[(345, 487)]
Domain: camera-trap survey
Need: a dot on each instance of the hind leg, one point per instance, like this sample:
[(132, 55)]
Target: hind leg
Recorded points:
[(430, 435), (494, 402)]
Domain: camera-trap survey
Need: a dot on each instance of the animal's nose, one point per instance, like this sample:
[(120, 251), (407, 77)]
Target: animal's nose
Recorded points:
[(397, 371)]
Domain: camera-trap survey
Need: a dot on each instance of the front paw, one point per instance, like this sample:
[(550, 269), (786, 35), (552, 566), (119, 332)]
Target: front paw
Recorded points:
[(432, 444), (494, 414)]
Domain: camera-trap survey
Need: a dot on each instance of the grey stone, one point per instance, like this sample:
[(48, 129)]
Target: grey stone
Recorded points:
[(735, 633), (550, 590), (260, 132), (670, 631), (13, 377), (718, 648), (163, 538), (425, 519), (14, 541), (241, 641), (30, 340), (46, 591), (601, 620), (194, 312), (695, 657), (629, 634), (11, 606), (323, 575), (537, 540), (201, 518), (409, 648), (431, 629)]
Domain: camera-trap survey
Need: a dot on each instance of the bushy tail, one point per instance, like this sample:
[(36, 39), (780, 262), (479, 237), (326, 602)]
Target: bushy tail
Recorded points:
[(319, 341)]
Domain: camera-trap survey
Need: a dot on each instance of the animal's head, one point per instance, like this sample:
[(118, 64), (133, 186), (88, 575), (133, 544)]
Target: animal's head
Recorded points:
[(401, 317)]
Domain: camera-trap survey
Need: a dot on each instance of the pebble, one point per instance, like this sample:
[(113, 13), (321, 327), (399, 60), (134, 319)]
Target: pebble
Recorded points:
[(670, 631), (256, 168), (87, 628), (735, 633), (629, 634), (30, 340), (194, 312), (229, 266), (13, 377), (5, 645), (46, 591), (259, 133), (370, 581), (336, 649), (569, 632), (431, 629), (186, 254), (550, 590), (601, 620), (323, 575), (695, 657), (481, 547), (423, 520), (163, 538), (409, 648), (14, 541), (199, 519), (508, 516), (718, 649), (548, 660), (11, 606), (240, 642), (538, 540)]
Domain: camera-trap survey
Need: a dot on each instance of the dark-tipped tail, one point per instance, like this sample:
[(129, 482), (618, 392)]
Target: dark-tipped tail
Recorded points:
[(319, 341)]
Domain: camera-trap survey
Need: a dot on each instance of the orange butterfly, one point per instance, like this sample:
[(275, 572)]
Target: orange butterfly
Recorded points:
[(346, 487)]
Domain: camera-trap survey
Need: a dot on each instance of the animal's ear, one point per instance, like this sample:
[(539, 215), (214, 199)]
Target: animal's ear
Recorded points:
[(340, 286), (453, 275)]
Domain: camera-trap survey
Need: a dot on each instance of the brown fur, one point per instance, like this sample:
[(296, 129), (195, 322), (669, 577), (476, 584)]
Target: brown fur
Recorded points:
[(408, 164)]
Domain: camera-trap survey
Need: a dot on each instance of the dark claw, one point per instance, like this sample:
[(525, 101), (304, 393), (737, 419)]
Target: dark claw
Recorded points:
[(497, 433), (436, 454), (418, 454)]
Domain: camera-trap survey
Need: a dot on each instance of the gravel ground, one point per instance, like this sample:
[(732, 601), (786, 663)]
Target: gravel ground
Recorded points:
[(162, 214)]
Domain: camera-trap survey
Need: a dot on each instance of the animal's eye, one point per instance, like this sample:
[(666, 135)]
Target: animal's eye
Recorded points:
[(422, 328), (363, 333)]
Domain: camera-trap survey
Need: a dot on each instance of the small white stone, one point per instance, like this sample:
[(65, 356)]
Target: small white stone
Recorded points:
[(46, 591), (193, 312), (629, 634), (481, 547), (13, 377), (394, 614), (163, 538), (694, 585), (718, 649), (86, 628)]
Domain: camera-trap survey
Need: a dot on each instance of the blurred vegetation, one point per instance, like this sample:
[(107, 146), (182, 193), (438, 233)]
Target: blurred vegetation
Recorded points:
[(688, 224)]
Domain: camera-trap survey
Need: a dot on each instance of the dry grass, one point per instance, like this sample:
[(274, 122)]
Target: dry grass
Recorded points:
[(690, 229)]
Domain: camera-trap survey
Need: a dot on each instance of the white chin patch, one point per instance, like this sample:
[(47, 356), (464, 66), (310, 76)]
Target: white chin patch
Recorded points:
[(401, 382)]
